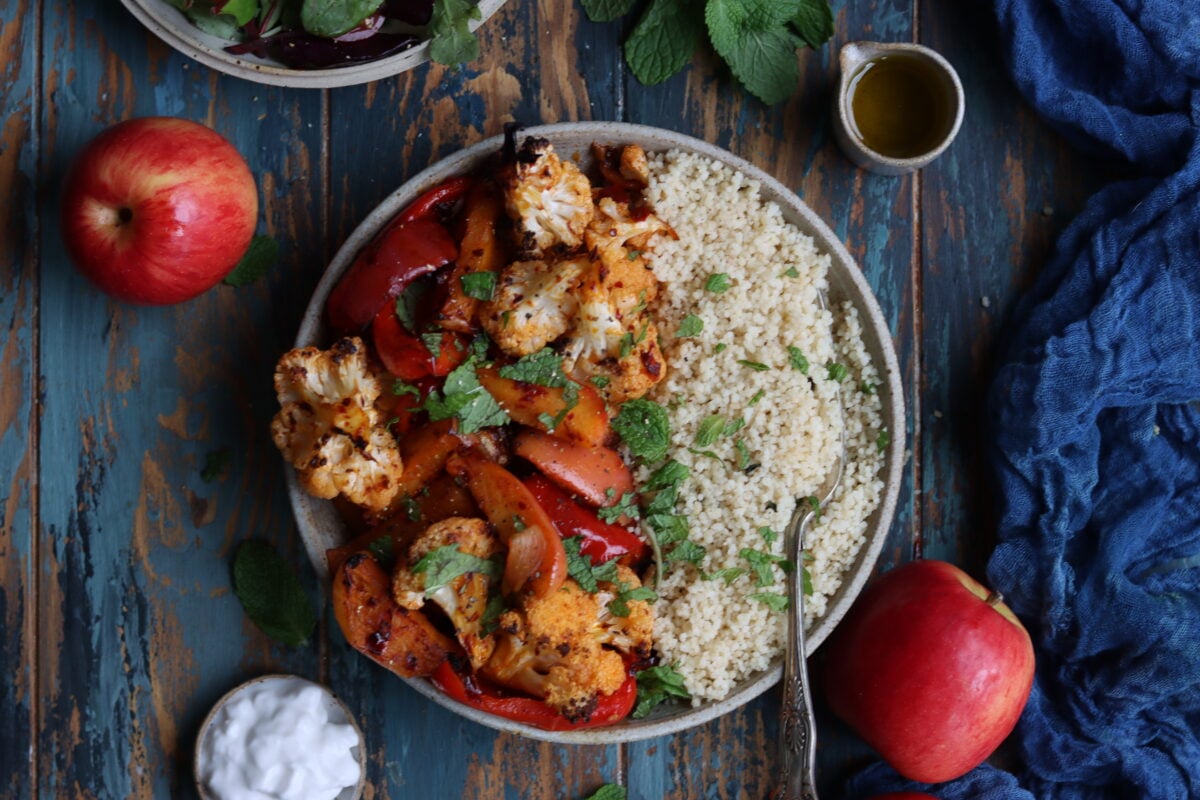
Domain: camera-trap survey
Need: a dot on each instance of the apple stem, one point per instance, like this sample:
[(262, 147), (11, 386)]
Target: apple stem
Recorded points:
[(994, 598)]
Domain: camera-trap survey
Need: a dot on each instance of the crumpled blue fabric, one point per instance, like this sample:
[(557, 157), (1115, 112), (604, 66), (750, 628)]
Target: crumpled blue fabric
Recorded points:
[(1095, 417)]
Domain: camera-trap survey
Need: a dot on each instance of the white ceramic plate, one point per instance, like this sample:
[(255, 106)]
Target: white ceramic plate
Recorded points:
[(169, 24), (321, 528)]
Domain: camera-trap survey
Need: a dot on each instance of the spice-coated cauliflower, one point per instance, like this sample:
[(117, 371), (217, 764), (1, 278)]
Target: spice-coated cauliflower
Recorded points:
[(567, 647), (464, 598), (328, 428), (535, 303), (548, 199)]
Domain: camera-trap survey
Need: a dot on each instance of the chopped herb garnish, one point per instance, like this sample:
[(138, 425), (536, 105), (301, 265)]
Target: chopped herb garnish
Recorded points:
[(656, 685), (772, 600), (401, 388), (633, 255), (717, 282), (883, 440), (388, 425), (757, 366), (761, 564), (581, 568), (867, 388), (619, 605), (443, 564), (728, 575), (757, 396), (600, 381), (479, 348), (464, 398), (797, 359), (505, 318), (705, 453), (670, 474), (479, 285), (491, 614), (411, 509), (815, 504), (382, 549), (688, 551), (836, 371), (791, 272), (720, 347), (743, 454), (645, 428), (627, 506), (769, 536), (433, 343), (733, 426), (691, 325), (639, 308), (709, 430), (409, 301), (626, 345), (543, 368)]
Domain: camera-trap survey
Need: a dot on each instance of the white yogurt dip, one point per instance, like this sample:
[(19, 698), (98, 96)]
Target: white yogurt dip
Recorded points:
[(274, 739)]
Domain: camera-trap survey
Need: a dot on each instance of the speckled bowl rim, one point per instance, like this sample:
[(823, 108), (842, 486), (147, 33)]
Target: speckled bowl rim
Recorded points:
[(169, 24), (206, 725), (318, 521)]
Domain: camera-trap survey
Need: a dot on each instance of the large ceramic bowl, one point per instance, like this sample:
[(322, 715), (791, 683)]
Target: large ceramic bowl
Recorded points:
[(169, 24), (321, 528)]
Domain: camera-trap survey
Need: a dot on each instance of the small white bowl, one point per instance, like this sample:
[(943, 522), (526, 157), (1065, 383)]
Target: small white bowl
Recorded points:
[(169, 24), (338, 713)]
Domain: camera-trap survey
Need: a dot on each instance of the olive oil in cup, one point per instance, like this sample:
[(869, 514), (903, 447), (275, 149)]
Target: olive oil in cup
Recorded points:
[(898, 106)]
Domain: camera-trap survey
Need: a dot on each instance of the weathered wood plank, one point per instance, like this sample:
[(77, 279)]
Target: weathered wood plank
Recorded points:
[(991, 208), (139, 631), (532, 70), (734, 757), (18, 388)]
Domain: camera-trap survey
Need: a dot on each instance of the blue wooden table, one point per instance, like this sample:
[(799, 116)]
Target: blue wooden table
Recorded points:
[(119, 625)]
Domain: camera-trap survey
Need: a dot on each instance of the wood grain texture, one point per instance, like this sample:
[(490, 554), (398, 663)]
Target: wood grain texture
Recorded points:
[(120, 626), (18, 389)]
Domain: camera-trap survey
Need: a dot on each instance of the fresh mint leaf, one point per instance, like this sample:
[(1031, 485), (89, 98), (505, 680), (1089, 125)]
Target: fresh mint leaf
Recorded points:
[(619, 605), (718, 281), (705, 453), (733, 426), (671, 473), (815, 504), (543, 368), (657, 685), (260, 256), (757, 396), (772, 600), (409, 301), (688, 551), (769, 536), (600, 381), (491, 614), (609, 791), (645, 428), (627, 506), (867, 388), (883, 440), (332, 18), (743, 454), (668, 528), (709, 429), (835, 371), (691, 325), (383, 549), (727, 575), (797, 359), (451, 41), (271, 593), (401, 388), (814, 22), (792, 272), (757, 366), (606, 10), (464, 398), (759, 49), (442, 565), (761, 565), (479, 285), (581, 568), (216, 464), (720, 347), (433, 343), (664, 40)]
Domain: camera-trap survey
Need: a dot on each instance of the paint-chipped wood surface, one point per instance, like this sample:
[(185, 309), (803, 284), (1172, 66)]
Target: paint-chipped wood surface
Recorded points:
[(119, 626)]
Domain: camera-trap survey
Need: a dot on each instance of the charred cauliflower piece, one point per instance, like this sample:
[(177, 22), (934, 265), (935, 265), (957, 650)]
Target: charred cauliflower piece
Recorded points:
[(618, 239), (534, 304), (621, 347), (465, 598), (564, 648), (548, 199), (328, 428), (634, 166)]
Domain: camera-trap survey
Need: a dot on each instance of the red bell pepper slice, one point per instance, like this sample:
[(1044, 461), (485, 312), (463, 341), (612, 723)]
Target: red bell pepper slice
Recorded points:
[(403, 252), (595, 474), (601, 541), (408, 357), (441, 196), (611, 708)]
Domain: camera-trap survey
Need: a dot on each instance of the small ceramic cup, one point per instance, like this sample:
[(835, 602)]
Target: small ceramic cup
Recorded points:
[(852, 59)]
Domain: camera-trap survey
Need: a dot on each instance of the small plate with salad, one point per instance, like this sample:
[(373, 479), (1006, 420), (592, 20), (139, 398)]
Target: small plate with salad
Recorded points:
[(317, 43)]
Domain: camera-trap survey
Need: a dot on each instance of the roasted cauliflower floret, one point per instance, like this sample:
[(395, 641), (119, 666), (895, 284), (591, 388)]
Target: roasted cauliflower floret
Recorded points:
[(328, 427), (619, 238), (623, 348), (625, 167), (534, 304), (565, 648), (634, 166), (634, 634), (548, 199), (464, 599)]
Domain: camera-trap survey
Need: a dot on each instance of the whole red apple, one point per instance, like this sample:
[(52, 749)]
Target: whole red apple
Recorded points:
[(157, 210), (931, 669)]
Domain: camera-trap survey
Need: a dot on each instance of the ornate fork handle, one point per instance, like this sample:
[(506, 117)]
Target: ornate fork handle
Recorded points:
[(797, 742)]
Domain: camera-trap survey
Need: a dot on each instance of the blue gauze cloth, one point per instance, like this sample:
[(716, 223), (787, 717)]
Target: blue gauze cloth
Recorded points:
[(1095, 414)]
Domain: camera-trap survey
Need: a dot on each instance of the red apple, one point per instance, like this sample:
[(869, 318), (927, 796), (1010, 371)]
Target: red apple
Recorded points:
[(931, 669), (157, 210)]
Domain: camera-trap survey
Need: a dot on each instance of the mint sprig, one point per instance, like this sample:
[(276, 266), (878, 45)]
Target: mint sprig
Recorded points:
[(271, 593), (758, 39)]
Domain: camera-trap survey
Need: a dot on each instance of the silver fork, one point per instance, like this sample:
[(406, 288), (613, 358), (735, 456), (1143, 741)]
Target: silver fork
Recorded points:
[(798, 739)]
